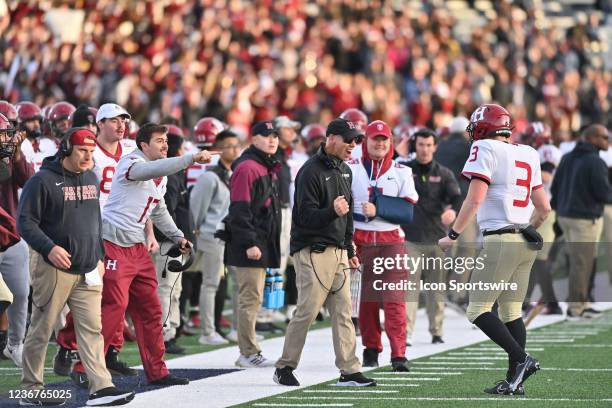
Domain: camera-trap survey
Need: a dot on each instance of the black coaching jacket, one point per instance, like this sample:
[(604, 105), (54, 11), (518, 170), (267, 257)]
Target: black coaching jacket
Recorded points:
[(320, 180)]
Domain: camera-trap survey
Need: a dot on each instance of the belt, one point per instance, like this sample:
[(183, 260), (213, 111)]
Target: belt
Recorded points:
[(505, 230)]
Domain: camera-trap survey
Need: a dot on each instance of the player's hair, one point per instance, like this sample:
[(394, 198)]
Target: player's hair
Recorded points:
[(425, 133), (224, 134), (174, 144), (170, 120), (146, 131)]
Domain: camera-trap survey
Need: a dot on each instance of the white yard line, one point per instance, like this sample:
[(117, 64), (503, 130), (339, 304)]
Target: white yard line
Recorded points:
[(352, 391), (522, 399), (272, 404), (420, 373), (316, 365)]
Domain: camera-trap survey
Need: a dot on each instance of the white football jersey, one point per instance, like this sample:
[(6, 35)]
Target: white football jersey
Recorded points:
[(513, 172), (550, 153), (105, 164), (397, 181), (131, 202), (36, 152), (194, 171)]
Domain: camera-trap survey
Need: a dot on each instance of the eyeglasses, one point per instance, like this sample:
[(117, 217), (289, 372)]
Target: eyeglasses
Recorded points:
[(352, 138)]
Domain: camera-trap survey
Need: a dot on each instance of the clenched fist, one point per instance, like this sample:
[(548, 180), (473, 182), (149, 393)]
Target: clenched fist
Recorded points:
[(341, 206), (369, 209), (204, 156)]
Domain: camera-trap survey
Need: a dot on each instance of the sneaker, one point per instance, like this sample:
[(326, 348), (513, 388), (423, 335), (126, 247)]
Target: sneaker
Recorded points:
[(370, 357), (573, 317), (109, 396), (117, 367), (437, 340), (42, 402), (399, 365), (253, 361), (591, 313), (192, 326), (523, 371), (79, 379), (355, 380), (224, 323), (284, 376), (15, 353), (268, 327), (503, 388), (170, 380), (173, 348), (62, 362), (215, 339)]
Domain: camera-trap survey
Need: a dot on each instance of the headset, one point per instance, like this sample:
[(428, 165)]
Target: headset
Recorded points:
[(175, 265), (65, 148)]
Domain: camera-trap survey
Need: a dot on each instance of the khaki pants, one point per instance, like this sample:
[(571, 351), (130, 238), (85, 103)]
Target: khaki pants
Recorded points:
[(331, 267), (169, 291), (582, 237), (212, 269), (52, 289), (36, 261), (250, 296), (467, 246), (548, 235), (434, 299), (607, 236), (505, 258)]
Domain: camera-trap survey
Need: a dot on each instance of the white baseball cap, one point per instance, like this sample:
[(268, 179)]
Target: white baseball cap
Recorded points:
[(459, 125), (111, 110)]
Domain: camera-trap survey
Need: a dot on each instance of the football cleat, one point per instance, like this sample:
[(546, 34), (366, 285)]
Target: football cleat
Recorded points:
[(503, 388), (522, 372)]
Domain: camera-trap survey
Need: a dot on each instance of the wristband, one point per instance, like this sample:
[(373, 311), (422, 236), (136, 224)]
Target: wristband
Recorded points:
[(452, 234)]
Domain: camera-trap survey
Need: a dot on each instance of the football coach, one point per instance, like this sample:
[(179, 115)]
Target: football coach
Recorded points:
[(323, 253)]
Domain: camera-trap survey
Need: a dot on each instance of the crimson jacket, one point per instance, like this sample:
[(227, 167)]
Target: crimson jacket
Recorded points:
[(254, 217)]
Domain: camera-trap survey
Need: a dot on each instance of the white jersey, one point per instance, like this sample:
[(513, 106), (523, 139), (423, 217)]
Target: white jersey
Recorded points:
[(512, 172), (36, 152), (397, 181), (549, 153), (105, 164), (129, 145), (606, 155), (130, 202), (194, 171)]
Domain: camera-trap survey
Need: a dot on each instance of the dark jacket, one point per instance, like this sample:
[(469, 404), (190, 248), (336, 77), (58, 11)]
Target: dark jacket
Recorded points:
[(254, 217), (580, 188), (177, 201), (58, 207), (320, 180), (284, 177), (437, 188), (453, 153)]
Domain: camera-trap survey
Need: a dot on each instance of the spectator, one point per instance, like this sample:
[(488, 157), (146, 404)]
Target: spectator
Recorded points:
[(14, 263), (73, 277), (322, 228), (169, 285), (254, 227), (378, 235), (439, 203), (580, 190), (209, 204)]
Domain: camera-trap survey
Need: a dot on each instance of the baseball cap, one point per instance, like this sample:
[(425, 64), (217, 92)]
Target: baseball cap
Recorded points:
[(82, 137), (264, 128), (378, 128), (348, 130), (458, 125), (83, 116), (111, 110), (285, 122)]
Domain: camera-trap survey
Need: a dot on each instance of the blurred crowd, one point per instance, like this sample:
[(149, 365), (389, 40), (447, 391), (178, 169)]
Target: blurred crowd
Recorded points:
[(243, 61)]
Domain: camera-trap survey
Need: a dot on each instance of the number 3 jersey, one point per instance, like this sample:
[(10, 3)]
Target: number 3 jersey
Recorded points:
[(512, 172)]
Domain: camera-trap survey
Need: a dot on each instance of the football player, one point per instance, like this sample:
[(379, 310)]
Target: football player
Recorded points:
[(505, 186), (204, 134)]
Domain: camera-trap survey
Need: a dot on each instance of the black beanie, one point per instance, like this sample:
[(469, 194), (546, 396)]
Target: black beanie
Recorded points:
[(82, 116)]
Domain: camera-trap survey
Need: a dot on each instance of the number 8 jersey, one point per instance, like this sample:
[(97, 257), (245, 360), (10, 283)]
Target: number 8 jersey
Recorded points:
[(512, 172)]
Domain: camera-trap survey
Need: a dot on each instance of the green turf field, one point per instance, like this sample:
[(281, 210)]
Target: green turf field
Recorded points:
[(573, 374), (10, 376)]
